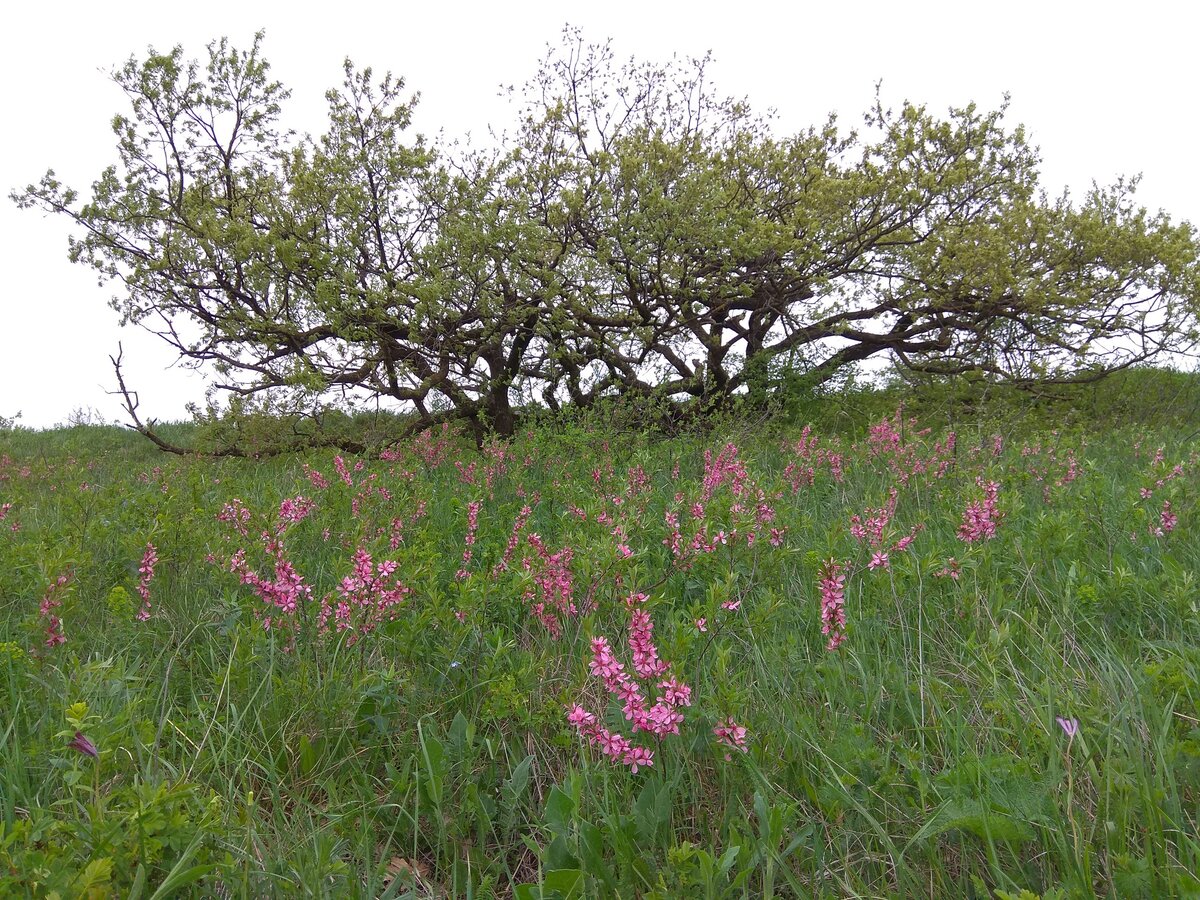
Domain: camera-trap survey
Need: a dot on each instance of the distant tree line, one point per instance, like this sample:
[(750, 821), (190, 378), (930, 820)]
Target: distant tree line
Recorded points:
[(635, 234)]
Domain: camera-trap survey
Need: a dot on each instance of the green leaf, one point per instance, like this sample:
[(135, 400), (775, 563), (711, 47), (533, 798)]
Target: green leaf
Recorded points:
[(591, 851), (559, 810), (557, 855), (517, 783)]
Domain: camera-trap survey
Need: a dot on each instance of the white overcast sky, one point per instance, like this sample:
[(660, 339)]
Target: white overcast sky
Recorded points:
[(1103, 89)]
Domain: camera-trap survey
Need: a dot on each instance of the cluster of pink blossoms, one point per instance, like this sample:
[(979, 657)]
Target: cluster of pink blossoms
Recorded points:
[(432, 446), (833, 603), (872, 532), (951, 570), (903, 453), (293, 510), (980, 518), (1147, 493), (553, 599), (146, 575), (724, 467), (50, 602), (803, 471), (731, 734), (236, 514), (884, 437), (1167, 521), (319, 481), (286, 591), (514, 538), (366, 597), (472, 526), (660, 718)]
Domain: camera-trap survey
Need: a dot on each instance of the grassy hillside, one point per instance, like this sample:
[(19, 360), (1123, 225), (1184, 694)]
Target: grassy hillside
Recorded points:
[(433, 671)]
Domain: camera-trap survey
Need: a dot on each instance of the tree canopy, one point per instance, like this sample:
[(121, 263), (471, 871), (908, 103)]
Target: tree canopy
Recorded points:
[(634, 233)]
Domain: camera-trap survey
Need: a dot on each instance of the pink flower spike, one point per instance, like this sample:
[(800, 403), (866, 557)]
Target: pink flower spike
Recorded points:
[(146, 571), (833, 599), (1167, 519)]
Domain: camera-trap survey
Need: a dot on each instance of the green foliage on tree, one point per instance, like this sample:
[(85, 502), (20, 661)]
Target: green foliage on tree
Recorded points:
[(635, 234)]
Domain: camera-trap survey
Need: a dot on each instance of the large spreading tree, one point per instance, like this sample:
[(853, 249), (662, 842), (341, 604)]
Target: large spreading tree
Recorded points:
[(634, 234)]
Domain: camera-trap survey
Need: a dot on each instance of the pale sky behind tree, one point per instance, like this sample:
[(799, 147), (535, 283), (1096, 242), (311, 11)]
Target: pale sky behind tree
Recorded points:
[(1103, 89)]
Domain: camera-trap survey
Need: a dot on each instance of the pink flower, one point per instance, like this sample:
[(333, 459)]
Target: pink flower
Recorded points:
[(146, 570), (1070, 727), (951, 570), (580, 717), (731, 734), (1167, 519), (980, 518), (514, 538), (879, 560), (675, 692), (660, 719), (702, 625), (613, 744), (472, 527), (54, 635), (604, 665), (833, 600), (638, 756), (84, 746), (295, 509)]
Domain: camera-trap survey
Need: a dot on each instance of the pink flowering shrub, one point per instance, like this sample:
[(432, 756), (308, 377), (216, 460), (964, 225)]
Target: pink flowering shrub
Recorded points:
[(1167, 521), (808, 458), (51, 600), (146, 575), (284, 591), (472, 527), (833, 603), (13, 525), (651, 700), (981, 517), (364, 599), (872, 530), (368, 596), (552, 598)]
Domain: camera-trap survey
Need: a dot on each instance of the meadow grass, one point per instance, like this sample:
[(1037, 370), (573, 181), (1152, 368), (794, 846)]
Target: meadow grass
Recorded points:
[(1017, 714)]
